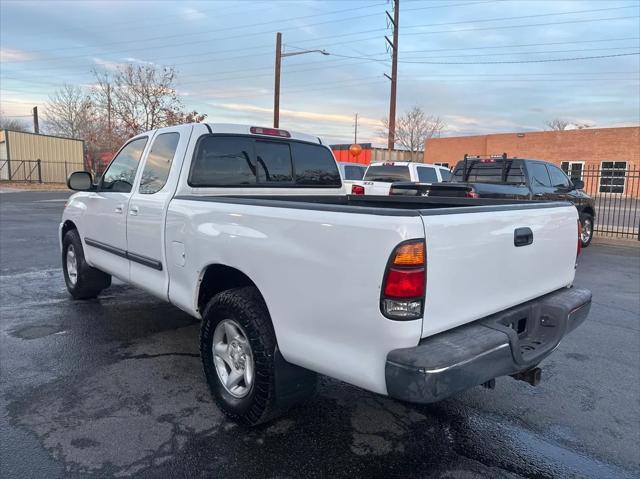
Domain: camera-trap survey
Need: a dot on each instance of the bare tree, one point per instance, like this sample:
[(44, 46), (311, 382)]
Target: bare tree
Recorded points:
[(7, 123), (557, 124), (138, 98), (413, 129), (69, 112)]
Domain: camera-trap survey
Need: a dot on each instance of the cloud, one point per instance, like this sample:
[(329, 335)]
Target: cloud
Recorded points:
[(107, 64), (305, 115), (192, 14), (137, 60), (14, 55)]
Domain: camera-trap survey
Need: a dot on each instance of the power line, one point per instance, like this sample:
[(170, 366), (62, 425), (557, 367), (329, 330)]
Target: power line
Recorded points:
[(243, 27), (539, 15), (526, 61), (244, 34), (506, 27), (522, 45)]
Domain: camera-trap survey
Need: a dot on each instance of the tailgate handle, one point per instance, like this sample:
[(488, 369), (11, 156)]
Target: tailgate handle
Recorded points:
[(522, 236)]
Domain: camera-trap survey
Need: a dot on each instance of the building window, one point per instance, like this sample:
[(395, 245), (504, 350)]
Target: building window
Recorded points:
[(573, 169), (612, 176)]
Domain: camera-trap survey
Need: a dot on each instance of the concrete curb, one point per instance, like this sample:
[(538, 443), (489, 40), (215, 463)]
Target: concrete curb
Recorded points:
[(607, 240)]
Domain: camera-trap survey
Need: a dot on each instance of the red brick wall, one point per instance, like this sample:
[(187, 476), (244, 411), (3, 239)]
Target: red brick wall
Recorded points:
[(591, 146)]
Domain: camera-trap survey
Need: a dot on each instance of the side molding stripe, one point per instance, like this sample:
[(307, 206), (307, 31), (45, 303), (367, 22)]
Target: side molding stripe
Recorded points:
[(137, 258)]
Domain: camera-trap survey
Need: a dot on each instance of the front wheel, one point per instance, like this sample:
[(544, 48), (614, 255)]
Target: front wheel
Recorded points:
[(248, 378), (83, 281), (586, 222)]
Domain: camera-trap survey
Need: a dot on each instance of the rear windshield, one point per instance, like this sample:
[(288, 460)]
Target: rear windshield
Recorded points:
[(387, 173), (352, 172), (489, 172), (221, 160)]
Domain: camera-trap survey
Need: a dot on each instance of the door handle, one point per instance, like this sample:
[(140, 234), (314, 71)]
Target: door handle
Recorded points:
[(133, 211), (522, 237), (119, 209), (538, 195)]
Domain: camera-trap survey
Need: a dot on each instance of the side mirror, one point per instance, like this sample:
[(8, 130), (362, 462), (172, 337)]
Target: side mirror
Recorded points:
[(578, 184), (80, 181)]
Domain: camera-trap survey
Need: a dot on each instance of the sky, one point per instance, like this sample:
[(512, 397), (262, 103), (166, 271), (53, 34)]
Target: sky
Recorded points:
[(483, 66)]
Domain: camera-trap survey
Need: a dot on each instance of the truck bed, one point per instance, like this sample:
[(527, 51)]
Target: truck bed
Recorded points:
[(380, 205)]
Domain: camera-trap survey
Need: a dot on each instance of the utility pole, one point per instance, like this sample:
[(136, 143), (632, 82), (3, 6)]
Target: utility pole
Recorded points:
[(279, 56), (395, 21), (276, 95), (36, 126), (355, 132)]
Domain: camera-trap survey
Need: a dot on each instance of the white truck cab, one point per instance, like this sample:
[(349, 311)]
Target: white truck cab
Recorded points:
[(379, 176)]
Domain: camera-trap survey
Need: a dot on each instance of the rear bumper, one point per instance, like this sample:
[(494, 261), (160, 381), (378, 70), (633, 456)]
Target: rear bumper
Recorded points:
[(505, 343)]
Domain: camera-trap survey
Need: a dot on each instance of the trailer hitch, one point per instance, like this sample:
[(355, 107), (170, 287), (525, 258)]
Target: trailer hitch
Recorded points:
[(531, 376)]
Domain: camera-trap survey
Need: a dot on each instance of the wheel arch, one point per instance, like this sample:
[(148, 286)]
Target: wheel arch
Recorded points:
[(67, 226), (216, 278), (588, 210)]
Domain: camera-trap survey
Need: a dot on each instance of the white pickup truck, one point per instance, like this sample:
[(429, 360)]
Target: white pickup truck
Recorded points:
[(249, 229), (379, 176)]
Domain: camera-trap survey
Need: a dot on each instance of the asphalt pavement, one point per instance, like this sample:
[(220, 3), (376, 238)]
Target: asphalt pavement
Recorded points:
[(113, 387)]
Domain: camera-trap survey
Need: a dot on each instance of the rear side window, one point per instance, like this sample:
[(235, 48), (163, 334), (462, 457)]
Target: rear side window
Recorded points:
[(158, 164), (490, 172), (223, 161), (314, 165), (245, 161), (387, 173), (353, 172), (427, 175), (446, 174)]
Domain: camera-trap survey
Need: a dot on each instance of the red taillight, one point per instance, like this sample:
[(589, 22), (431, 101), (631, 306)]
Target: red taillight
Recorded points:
[(471, 194), (579, 239), (357, 190), (257, 130), (404, 283), (403, 290)]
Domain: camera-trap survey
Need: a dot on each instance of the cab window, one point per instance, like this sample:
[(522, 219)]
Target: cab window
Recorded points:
[(538, 176), (558, 178), (121, 173)]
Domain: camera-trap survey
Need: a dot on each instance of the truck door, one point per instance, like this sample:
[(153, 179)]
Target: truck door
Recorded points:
[(148, 206), (539, 181), (105, 219)]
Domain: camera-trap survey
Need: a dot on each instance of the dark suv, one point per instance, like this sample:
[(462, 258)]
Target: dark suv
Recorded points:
[(512, 178)]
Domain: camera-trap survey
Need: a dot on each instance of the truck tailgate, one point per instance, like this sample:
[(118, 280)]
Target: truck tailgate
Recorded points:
[(474, 269), (376, 187)]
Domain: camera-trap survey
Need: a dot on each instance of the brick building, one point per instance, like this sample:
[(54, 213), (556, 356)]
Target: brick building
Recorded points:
[(613, 152)]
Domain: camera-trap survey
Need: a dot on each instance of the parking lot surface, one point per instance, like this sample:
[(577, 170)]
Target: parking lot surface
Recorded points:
[(113, 387)]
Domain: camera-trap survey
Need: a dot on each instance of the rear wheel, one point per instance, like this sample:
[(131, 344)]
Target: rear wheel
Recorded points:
[(586, 221), (83, 281), (248, 378)]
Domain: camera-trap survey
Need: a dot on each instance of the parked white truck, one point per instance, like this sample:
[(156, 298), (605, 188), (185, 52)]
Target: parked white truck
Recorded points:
[(249, 229), (379, 176)]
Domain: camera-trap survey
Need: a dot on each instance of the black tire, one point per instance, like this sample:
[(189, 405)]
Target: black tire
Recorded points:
[(89, 282), (586, 220), (277, 385)]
